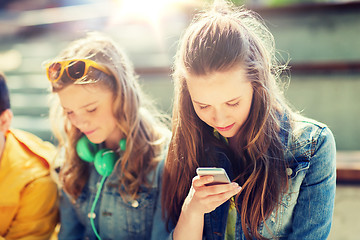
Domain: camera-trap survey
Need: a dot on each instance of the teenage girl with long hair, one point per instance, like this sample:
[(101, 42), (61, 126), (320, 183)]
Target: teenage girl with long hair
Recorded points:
[(114, 140), (229, 112)]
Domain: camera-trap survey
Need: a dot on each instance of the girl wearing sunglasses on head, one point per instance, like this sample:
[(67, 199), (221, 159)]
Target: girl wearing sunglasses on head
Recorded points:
[(229, 113), (114, 142)]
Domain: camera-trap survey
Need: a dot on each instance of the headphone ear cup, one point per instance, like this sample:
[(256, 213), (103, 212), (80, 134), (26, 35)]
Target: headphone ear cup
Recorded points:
[(122, 144), (104, 162), (86, 150)]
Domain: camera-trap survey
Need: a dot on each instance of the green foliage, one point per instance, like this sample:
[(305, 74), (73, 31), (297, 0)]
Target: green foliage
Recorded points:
[(279, 3), (238, 2)]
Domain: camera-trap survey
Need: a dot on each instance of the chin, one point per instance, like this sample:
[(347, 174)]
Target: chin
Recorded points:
[(95, 140), (227, 135)]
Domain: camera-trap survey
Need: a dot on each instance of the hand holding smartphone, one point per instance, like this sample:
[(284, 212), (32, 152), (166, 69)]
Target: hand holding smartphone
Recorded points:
[(219, 174)]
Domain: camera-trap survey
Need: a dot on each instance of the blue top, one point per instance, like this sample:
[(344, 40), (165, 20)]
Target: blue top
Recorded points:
[(116, 218), (306, 209)]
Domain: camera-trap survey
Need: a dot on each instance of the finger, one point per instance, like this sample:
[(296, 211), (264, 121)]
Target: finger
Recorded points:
[(210, 203), (206, 191), (215, 189), (223, 197), (221, 188), (199, 181)]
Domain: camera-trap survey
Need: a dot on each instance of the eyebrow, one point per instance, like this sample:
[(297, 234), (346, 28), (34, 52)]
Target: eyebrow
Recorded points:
[(85, 106), (224, 102)]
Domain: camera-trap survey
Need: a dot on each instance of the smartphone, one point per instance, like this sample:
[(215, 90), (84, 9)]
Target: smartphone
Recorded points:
[(219, 174)]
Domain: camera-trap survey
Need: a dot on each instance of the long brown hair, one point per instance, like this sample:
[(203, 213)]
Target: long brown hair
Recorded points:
[(219, 40), (142, 125)]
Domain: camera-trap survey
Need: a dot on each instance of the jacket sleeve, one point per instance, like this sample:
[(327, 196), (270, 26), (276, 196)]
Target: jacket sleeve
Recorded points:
[(159, 231), (37, 215), (70, 227), (314, 209)]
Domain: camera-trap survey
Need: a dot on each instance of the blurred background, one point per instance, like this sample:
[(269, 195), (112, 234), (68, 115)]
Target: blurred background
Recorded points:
[(320, 38)]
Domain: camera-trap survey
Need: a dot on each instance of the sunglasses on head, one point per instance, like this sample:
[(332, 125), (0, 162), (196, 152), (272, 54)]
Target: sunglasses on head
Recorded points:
[(75, 69)]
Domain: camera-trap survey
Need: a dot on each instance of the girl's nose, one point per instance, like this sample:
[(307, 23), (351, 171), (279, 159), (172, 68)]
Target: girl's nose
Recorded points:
[(79, 121), (218, 118)]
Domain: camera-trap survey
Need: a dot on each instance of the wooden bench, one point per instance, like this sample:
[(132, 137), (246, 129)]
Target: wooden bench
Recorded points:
[(348, 166)]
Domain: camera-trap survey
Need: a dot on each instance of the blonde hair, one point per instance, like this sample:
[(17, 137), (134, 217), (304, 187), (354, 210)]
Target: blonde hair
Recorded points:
[(143, 126), (218, 40)]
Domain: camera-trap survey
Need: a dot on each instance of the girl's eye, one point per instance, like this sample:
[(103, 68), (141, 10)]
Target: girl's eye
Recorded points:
[(204, 106), (233, 104), (69, 112), (91, 110)]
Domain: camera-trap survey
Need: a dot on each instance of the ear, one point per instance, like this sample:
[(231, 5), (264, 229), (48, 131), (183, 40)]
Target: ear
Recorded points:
[(5, 120)]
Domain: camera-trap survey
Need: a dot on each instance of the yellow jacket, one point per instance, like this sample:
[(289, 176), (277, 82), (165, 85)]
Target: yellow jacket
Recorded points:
[(28, 195)]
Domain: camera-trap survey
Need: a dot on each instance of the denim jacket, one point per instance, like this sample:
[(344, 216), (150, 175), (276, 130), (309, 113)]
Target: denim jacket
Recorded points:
[(306, 209), (116, 218)]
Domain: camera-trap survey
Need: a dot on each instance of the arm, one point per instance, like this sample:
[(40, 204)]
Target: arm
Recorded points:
[(159, 231), (314, 209), (38, 211), (70, 228), (200, 200)]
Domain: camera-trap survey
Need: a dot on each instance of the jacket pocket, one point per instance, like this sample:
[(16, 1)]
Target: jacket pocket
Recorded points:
[(131, 216), (280, 221)]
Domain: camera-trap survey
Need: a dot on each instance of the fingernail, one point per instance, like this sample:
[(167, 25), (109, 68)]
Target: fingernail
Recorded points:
[(234, 184)]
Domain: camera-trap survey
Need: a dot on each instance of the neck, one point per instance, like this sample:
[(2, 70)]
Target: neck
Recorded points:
[(112, 142)]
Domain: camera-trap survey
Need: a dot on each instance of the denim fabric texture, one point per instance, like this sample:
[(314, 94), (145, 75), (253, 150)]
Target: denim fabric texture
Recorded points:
[(306, 209), (116, 217)]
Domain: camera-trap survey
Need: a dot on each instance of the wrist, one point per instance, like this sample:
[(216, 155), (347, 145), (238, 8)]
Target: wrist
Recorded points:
[(190, 225), (191, 214)]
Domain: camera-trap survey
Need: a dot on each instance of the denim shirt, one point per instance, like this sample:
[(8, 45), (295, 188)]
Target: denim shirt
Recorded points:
[(116, 217), (306, 209)]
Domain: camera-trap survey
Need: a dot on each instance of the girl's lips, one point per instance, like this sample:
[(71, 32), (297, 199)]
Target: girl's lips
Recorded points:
[(223, 129), (89, 132)]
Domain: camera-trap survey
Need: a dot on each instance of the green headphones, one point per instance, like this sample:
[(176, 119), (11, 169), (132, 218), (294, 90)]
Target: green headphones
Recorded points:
[(104, 159)]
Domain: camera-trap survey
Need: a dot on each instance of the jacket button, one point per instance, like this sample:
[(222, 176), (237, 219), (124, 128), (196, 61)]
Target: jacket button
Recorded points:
[(289, 171), (135, 204)]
